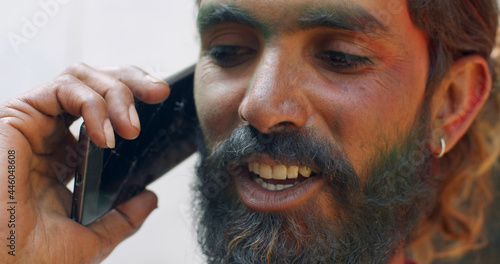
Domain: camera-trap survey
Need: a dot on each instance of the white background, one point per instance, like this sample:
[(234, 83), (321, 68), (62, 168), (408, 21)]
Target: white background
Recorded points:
[(157, 35)]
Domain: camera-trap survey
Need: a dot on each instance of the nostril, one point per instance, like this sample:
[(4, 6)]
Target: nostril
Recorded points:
[(243, 117), (285, 123), (281, 126), (271, 114)]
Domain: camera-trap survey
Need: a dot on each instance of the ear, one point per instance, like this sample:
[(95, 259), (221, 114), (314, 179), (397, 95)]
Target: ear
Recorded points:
[(457, 101)]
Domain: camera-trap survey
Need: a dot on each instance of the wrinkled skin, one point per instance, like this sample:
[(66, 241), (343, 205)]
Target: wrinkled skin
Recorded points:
[(35, 126)]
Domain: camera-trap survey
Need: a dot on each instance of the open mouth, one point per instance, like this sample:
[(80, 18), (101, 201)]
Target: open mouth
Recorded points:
[(279, 177), (267, 186)]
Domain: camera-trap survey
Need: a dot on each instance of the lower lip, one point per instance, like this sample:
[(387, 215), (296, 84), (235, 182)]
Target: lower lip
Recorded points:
[(260, 199)]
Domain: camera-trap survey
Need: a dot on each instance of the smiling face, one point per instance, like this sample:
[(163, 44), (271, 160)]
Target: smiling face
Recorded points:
[(348, 78), (358, 81)]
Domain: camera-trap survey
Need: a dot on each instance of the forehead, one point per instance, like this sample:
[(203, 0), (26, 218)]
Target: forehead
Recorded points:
[(279, 16)]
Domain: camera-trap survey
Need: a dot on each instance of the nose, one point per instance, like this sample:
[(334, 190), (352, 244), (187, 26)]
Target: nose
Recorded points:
[(275, 98)]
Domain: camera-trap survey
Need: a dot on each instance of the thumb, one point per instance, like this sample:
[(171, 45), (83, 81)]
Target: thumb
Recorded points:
[(124, 220)]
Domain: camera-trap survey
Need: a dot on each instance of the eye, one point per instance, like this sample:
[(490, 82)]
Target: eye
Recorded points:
[(227, 56), (343, 62)]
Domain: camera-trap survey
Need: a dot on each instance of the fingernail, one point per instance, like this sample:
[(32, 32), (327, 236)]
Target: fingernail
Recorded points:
[(154, 79), (109, 134), (134, 118)]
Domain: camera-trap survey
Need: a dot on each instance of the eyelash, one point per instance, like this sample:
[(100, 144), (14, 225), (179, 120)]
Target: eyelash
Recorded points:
[(343, 62), (228, 56)]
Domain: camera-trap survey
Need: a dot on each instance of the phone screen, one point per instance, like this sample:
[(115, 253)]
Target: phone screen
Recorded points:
[(107, 177)]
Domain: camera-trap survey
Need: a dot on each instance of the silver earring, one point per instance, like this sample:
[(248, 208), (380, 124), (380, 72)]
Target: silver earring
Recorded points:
[(443, 149)]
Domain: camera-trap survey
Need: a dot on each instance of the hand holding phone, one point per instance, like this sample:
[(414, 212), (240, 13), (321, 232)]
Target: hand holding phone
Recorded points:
[(36, 152), (105, 178)]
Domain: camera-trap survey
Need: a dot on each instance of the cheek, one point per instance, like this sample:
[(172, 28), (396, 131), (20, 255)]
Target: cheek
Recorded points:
[(217, 99), (368, 114), (385, 116)]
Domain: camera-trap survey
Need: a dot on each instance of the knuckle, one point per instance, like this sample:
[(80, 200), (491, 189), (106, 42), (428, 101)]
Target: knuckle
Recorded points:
[(93, 100), (89, 101), (104, 241), (122, 71), (132, 68), (121, 88), (118, 88), (65, 79), (76, 67)]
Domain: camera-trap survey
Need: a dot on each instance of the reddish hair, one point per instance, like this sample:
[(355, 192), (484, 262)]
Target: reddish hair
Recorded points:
[(458, 28)]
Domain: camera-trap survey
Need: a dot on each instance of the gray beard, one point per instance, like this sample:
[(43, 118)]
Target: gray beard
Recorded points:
[(373, 219)]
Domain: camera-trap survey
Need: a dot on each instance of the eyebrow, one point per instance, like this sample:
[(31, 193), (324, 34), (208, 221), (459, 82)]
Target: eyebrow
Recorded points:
[(212, 15), (353, 18)]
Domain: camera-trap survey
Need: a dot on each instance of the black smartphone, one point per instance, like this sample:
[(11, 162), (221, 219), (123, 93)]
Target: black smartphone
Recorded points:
[(105, 178)]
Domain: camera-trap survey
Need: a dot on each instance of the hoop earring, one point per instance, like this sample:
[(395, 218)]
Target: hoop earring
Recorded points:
[(443, 149)]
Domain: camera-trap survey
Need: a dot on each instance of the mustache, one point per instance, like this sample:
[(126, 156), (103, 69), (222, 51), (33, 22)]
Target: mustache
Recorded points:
[(370, 220), (302, 147)]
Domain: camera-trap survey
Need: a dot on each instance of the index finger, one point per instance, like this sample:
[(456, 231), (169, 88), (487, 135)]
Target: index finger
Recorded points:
[(145, 87)]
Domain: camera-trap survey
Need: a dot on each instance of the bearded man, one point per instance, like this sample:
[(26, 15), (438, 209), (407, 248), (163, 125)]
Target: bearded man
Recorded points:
[(331, 132)]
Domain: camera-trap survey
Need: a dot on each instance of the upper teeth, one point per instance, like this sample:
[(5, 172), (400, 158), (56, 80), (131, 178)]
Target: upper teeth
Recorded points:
[(278, 172)]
